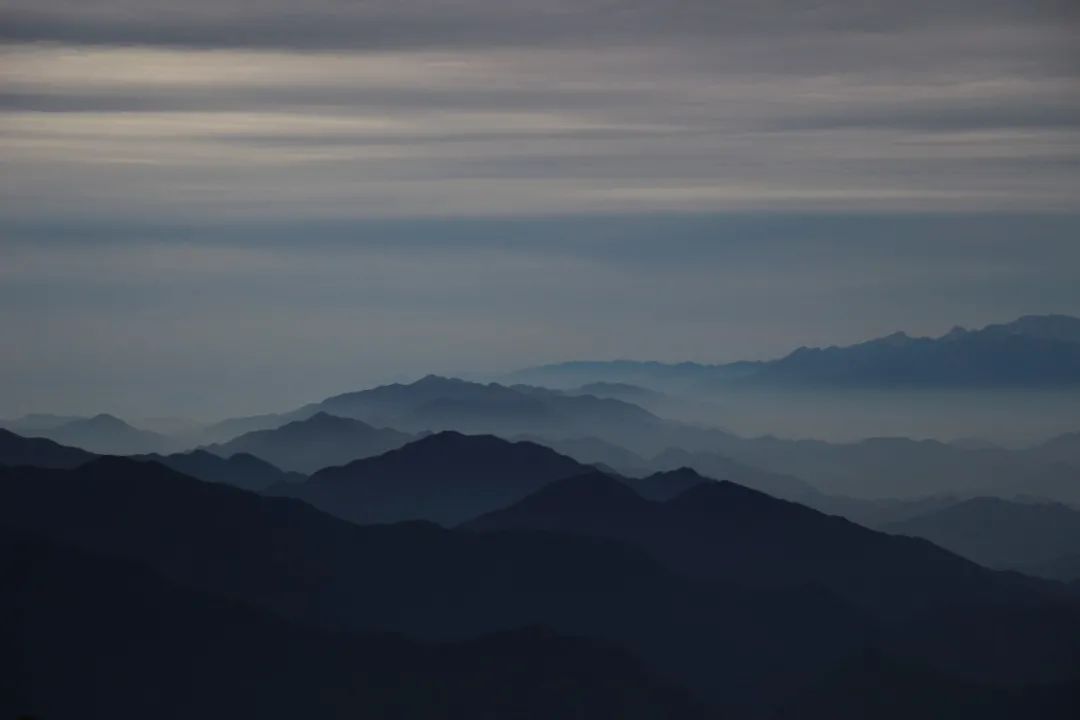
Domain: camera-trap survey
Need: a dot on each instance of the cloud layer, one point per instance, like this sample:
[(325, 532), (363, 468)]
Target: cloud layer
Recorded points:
[(479, 107), (270, 200)]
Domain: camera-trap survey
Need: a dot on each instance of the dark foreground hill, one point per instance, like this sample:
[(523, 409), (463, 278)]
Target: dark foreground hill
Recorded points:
[(39, 452), (92, 637), (745, 649)]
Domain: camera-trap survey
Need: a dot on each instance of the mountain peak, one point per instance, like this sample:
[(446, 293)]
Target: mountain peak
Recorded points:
[(957, 331), (105, 420)]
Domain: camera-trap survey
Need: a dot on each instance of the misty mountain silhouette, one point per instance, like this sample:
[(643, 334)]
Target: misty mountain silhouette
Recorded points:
[(720, 530), (314, 443), (901, 467), (741, 648), (1032, 351), (107, 435), (241, 470), (667, 484), (32, 424), (592, 451), (445, 478), (39, 452), (718, 466), (1000, 533), (100, 637), (1062, 449), (438, 403)]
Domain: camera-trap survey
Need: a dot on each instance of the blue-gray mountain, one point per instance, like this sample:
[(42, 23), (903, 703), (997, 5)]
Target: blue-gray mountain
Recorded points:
[(1034, 351)]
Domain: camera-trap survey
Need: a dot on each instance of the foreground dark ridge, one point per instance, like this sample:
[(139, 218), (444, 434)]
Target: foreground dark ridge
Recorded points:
[(741, 647)]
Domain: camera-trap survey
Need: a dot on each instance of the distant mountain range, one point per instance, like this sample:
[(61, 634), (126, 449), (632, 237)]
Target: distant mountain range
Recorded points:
[(103, 434), (436, 403), (241, 470), (39, 452), (1033, 351)]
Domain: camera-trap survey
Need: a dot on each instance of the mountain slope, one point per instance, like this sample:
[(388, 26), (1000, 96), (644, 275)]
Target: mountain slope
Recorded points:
[(106, 435), (722, 530), (285, 556), (1000, 533), (743, 648), (97, 637), (39, 452), (445, 478), (715, 465), (241, 470), (314, 443)]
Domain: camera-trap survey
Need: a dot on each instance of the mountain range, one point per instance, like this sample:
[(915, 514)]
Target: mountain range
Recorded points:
[(96, 636), (1032, 351), (103, 434), (446, 478), (748, 637), (317, 442)]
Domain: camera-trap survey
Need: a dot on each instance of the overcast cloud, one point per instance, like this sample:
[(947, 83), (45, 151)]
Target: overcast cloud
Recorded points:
[(246, 196)]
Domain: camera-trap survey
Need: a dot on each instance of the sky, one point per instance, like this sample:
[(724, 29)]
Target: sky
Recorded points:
[(209, 208)]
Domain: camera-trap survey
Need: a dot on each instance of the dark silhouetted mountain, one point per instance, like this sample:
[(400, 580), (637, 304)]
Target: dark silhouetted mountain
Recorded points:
[(1000, 533), (741, 647), (317, 442), (241, 470), (593, 451), (107, 435), (98, 637), (1033, 351), (231, 428), (438, 584), (667, 484), (874, 686), (714, 465), (445, 478), (39, 452), (720, 530)]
